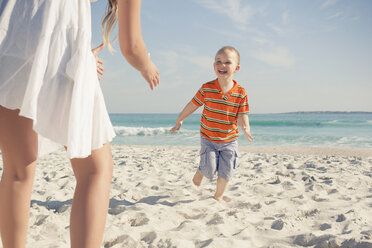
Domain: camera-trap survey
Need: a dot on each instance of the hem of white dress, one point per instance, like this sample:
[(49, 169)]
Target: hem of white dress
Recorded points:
[(54, 145), (93, 149)]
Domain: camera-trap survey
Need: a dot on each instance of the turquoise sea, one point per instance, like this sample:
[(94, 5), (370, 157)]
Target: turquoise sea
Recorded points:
[(339, 129)]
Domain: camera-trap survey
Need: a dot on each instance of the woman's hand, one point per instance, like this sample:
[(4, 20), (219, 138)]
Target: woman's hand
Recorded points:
[(99, 62), (151, 75)]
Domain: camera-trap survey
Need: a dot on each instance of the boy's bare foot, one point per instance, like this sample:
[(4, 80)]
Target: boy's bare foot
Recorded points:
[(195, 182), (197, 179)]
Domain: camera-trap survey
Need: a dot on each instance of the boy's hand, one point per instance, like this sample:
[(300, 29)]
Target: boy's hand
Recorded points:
[(99, 62), (248, 135), (176, 127)]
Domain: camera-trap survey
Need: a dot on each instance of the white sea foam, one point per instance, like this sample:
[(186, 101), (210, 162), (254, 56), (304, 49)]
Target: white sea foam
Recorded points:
[(333, 121), (355, 141), (148, 131), (140, 131)]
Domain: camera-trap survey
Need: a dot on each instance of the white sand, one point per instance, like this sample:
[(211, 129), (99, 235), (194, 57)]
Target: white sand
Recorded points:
[(280, 197)]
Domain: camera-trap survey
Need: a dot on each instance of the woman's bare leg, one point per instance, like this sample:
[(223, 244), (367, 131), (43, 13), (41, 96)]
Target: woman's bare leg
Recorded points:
[(18, 143), (91, 199)]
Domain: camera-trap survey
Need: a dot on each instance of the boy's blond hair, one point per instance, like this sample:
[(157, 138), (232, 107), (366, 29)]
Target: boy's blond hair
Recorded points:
[(231, 49)]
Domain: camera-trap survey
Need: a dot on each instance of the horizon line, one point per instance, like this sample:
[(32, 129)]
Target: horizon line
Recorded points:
[(290, 112)]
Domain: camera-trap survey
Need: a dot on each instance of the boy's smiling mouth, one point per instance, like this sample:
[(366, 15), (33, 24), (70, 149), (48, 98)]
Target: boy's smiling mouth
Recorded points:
[(222, 72)]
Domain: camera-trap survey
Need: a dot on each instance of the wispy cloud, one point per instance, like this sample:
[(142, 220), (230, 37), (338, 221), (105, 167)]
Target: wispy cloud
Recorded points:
[(333, 16), (170, 60), (176, 60), (236, 10), (204, 62), (276, 28), (285, 18), (228, 33), (278, 57), (261, 41), (328, 3)]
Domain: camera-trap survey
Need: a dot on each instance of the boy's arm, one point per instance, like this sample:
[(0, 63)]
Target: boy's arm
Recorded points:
[(243, 121), (188, 110)]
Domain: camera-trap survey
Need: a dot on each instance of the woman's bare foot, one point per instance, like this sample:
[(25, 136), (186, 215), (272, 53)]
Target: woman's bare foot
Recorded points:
[(222, 199)]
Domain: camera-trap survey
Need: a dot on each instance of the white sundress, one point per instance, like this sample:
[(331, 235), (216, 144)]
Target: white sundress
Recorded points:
[(47, 70)]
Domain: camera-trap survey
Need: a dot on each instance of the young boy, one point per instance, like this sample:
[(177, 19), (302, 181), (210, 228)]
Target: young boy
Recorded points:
[(225, 104)]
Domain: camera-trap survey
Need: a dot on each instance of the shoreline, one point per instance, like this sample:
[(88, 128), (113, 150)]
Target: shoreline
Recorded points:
[(290, 150)]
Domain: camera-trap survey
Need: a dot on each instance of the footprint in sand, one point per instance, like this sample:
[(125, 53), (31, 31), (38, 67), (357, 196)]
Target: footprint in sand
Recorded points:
[(155, 187), (40, 219), (216, 220), (325, 226), (310, 239), (192, 217), (232, 213), (332, 191), (270, 202), (123, 240), (148, 237), (277, 225), (367, 234), (116, 210), (140, 220), (340, 218), (256, 207), (318, 198), (353, 243), (311, 212), (63, 208)]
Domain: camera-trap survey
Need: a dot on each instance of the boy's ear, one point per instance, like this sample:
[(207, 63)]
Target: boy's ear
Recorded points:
[(237, 68)]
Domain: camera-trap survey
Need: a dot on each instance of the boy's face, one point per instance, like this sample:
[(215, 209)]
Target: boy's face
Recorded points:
[(226, 64)]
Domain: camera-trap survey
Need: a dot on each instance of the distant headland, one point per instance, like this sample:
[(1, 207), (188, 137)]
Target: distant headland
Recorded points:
[(328, 112)]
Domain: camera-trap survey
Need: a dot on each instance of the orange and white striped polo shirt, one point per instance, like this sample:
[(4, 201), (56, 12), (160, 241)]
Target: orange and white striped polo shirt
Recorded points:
[(219, 119)]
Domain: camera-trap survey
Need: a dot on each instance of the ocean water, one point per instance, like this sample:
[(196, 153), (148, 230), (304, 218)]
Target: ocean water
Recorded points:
[(339, 129)]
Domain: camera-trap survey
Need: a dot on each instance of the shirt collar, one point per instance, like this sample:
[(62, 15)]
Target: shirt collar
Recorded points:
[(220, 89)]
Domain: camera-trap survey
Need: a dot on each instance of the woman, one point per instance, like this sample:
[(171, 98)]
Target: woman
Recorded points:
[(49, 91)]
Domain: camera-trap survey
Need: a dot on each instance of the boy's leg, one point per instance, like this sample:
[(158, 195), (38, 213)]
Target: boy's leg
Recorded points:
[(91, 199), (208, 162), (220, 189), (18, 143), (198, 177), (228, 159)]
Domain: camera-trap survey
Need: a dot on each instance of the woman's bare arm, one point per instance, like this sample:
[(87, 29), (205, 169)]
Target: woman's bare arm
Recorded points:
[(131, 42)]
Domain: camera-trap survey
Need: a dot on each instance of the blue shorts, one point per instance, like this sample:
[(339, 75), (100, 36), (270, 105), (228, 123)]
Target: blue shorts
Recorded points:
[(218, 157)]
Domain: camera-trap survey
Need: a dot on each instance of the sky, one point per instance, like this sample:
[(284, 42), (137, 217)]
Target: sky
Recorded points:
[(295, 55)]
